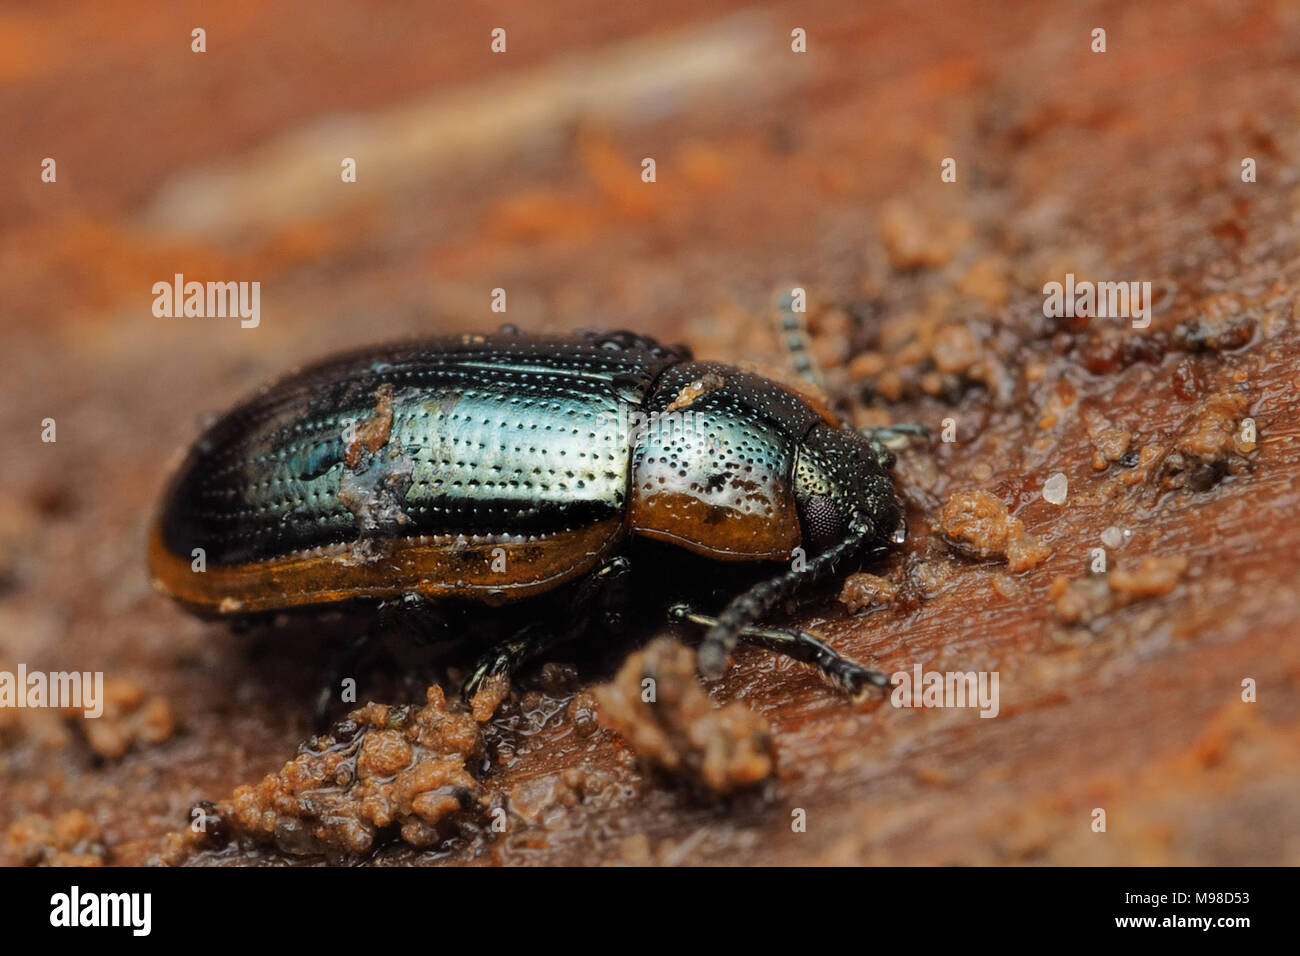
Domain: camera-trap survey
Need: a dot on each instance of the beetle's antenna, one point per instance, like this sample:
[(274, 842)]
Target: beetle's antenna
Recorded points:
[(754, 603), (794, 335)]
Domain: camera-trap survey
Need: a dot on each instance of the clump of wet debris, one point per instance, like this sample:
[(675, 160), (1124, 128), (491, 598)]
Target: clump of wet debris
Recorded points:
[(1084, 601), (1215, 440), (657, 705), (381, 770), (422, 775)]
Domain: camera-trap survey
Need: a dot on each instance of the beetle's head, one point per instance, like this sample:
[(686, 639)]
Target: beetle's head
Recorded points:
[(843, 489)]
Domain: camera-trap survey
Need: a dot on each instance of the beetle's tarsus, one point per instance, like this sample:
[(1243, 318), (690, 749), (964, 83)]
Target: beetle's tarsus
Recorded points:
[(504, 658), (795, 643), (804, 646)]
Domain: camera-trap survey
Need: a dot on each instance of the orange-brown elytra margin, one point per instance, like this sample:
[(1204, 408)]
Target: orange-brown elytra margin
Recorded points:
[(435, 566)]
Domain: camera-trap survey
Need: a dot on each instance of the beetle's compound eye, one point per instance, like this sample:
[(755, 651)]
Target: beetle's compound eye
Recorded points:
[(822, 525)]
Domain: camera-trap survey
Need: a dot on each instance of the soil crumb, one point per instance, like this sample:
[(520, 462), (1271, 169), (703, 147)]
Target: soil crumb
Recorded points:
[(978, 523), (69, 839), (1154, 577), (1210, 446), (130, 718), (1223, 322), (658, 706), (863, 590), (1110, 444)]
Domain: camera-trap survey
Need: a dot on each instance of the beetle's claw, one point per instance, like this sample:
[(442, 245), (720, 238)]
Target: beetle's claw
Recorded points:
[(861, 682)]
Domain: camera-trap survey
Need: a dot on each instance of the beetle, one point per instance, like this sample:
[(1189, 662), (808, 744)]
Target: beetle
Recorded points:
[(495, 468)]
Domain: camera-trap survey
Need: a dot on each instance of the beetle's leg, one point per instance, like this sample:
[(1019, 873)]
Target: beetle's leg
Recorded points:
[(794, 335), (800, 645), (759, 599), (346, 663), (508, 656), (606, 587)]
